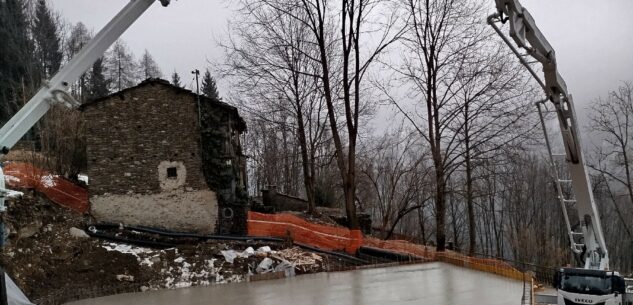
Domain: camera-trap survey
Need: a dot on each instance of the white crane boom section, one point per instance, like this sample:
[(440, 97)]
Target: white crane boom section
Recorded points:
[(528, 37)]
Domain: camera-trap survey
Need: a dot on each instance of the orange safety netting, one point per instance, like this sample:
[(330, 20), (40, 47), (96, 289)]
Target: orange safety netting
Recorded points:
[(337, 238), (489, 265), (57, 189), (302, 231), (401, 246)]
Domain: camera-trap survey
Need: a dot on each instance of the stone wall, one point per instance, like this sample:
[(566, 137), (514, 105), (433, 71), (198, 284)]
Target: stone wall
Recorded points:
[(129, 135), (144, 161), (283, 202)]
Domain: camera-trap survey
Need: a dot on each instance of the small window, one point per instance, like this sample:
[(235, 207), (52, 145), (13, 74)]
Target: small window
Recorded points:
[(172, 172)]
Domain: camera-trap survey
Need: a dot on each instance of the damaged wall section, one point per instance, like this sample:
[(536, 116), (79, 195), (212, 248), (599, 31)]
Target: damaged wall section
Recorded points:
[(224, 164)]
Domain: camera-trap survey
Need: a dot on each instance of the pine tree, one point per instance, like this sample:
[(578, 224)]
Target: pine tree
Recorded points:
[(209, 87), (16, 57), (97, 82), (121, 67), (47, 40), (79, 37), (148, 67), (175, 80)]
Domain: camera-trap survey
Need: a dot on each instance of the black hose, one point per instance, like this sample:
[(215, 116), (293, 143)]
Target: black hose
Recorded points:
[(138, 242), (184, 235), (342, 255), (390, 255)]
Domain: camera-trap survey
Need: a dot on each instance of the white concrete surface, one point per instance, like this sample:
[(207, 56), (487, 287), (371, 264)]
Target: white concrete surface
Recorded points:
[(431, 283)]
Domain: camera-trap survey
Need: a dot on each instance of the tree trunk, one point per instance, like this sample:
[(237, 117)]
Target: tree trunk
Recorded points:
[(422, 230), (308, 181), (440, 212), (469, 191)]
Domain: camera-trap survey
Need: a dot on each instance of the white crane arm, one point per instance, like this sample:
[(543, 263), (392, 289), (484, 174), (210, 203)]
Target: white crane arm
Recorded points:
[(528, 37)]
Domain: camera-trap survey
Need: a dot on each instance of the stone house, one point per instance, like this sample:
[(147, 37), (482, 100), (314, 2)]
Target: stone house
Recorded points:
[(157, 157)]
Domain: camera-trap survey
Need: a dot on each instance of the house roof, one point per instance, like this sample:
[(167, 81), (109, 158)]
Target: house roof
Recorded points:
[(162, 82)]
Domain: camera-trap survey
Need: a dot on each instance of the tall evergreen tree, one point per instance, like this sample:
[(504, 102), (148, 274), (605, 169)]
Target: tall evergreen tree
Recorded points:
[(79, 37), (148, 67), (48, 51), (209, 87), (97, 82), (16, 57), (175, 80)]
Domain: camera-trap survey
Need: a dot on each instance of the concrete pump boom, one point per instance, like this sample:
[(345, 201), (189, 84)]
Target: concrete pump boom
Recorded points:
[(589, 243)]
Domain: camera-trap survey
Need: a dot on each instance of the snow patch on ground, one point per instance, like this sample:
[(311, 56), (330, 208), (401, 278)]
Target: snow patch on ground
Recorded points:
[(128, 249), (83, 178), (10, 178), (178, 270), (48, 180), (182, 274), (13, 194)]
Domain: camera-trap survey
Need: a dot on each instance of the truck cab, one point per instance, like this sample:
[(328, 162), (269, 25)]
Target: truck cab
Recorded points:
[(584, 286)]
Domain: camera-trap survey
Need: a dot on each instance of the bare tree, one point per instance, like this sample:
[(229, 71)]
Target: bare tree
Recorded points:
[(269, 61), (440, 35), (121, 67), (354, 22), (497, 112), (398, 177), (148, 67), (612, 120)]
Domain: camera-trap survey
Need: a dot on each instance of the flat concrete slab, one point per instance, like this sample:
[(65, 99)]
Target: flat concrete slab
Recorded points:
[(430, 283)]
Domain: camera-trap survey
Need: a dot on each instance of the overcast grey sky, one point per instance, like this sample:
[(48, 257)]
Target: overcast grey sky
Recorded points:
[(181, 36), (593, 39)]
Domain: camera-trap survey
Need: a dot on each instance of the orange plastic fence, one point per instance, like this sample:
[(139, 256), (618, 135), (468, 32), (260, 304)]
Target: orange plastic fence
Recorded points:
[(336, 238), (57, 189), (483, 264), (302, 231), (401, 246)]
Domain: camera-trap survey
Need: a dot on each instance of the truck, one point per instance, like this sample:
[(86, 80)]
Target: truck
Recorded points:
[(592, 282)]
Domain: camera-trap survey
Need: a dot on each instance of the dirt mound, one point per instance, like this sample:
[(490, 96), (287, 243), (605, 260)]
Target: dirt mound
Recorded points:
[(45, 259)]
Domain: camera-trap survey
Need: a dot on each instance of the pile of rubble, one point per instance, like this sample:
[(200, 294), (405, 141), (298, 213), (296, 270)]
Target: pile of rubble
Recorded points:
[(53, 260)]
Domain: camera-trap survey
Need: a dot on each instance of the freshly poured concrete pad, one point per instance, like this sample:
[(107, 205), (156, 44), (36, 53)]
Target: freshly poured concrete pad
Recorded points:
[(431, 283)]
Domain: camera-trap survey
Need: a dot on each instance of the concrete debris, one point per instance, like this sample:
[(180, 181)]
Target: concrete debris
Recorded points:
[(301, 260), (125, 277), (231, 255), (248, 252), (78, 233), (30, 229), (265, 266), (263, 250), (83, 178), (287, 268)]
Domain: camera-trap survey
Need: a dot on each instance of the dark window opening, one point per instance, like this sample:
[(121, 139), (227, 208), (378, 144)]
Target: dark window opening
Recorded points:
[(172, 172)]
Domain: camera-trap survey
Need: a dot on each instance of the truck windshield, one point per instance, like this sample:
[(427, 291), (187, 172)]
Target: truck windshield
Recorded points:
[(587, 284)]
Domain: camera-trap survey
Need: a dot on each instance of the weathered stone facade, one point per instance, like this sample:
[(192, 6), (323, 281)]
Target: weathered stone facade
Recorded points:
[(146, 158)]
